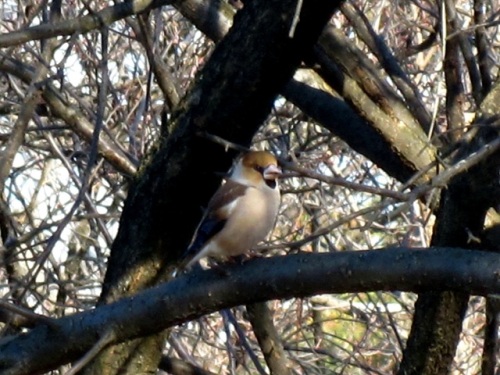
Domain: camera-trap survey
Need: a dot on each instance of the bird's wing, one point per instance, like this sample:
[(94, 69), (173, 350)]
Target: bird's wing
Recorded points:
[(218, 211)]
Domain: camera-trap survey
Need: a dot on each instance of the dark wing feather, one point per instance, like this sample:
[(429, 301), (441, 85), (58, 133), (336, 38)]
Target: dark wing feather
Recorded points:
[(215, 216), (208, 228)]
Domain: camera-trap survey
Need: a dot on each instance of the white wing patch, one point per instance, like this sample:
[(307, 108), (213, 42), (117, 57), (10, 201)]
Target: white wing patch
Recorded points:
[(227, 210)]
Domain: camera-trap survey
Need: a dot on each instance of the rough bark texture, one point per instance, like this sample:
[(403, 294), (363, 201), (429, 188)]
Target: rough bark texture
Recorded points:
[(398, 153), (455, 96), (337, 116), (269, 339), (198, 293), (357, 81), (255, 60), (438, 316)]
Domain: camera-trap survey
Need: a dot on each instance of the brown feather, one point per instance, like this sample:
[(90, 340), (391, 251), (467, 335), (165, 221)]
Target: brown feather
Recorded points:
[(226, 194)]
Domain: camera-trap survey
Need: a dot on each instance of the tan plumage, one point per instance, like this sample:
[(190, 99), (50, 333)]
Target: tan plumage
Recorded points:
[(242, 211)]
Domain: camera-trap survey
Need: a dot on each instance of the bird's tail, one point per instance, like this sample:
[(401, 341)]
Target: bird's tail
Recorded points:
[(187, 259)]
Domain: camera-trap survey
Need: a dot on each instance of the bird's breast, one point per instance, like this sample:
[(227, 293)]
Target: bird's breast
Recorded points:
[(251, 220)]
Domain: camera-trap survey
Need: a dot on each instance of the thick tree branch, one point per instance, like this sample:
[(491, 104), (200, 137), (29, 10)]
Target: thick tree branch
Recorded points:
[(395, 124), (255, 60), (483, 45), (438, 317), (336, 115), (260, 316), (215, 19), (294, 276), (390, 64), (453, 72), (212, 17)]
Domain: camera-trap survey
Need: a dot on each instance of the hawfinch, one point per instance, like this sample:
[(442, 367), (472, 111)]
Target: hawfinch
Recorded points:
[(242, 211)]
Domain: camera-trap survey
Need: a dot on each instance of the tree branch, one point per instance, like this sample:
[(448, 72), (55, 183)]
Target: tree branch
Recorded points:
[(257, 67), (73, 117), (294, 276), (260, 316), (390, 64), (80, 25)]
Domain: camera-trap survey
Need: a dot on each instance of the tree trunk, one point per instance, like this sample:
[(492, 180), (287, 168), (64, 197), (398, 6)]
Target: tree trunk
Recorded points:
[(233, 94), (438, 316)]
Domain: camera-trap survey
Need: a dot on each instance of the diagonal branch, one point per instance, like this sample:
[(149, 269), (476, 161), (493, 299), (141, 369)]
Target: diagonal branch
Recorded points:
[(73, 117), (389, 63), (92, 21)]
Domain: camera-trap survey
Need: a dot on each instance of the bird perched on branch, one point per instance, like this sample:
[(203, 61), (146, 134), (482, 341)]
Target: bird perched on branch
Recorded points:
[(242, 211)]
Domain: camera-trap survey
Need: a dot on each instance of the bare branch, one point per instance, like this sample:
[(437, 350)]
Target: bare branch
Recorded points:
[(201, 292), (80, 25), (260, 316), (30, 319), (107, 338)]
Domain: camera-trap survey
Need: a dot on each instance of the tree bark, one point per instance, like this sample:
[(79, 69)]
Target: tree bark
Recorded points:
[(438, 316), (269, 340), (198, 293), (231, 97)]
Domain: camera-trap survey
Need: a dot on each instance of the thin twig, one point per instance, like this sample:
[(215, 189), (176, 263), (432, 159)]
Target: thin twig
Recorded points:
[(228, 315), (296, 18), (80, 25), (30, 316), (107, 338), (223, 142), (343, 182), (488, 149)]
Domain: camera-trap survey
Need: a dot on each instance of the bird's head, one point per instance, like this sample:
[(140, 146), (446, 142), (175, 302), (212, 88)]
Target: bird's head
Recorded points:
[(256, 167)]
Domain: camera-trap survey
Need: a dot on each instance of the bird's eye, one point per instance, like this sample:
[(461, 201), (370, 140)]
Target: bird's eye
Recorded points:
[(259, 169)]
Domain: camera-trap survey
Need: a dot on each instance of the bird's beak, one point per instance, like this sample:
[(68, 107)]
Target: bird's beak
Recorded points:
[(272, 172)]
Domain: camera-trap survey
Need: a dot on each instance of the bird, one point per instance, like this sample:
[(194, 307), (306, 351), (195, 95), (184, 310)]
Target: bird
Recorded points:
[(241, 213)]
